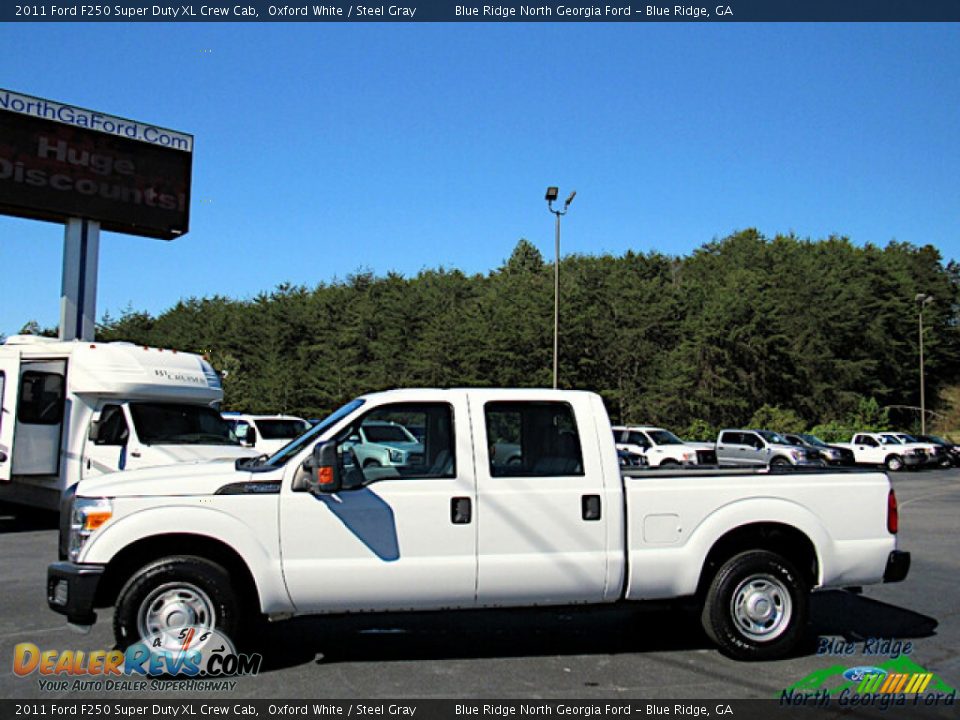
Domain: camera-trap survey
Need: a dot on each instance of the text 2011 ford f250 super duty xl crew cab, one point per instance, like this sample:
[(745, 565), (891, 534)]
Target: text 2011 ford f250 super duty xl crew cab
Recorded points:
[(310, 530)]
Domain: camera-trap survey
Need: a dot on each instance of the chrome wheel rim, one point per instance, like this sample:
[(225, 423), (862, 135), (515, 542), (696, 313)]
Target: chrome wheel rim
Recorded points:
[(170, 608), (761, 608)]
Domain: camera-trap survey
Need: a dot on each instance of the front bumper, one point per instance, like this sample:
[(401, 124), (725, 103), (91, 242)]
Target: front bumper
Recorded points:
[(914, 460), (72, 590), (898, 565)]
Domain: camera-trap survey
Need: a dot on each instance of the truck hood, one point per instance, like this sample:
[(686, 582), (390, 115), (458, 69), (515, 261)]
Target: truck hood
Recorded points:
[(184, 479)]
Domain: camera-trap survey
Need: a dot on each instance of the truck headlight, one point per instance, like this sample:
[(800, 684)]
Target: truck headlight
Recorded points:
[(396, 456), (87, 516)]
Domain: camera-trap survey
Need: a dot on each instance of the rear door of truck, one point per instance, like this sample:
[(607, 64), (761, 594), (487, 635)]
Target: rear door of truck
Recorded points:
[(541, 517)]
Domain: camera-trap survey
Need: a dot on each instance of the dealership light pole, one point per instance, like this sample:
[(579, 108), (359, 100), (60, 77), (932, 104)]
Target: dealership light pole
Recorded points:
[(552, 194), (922, 301)]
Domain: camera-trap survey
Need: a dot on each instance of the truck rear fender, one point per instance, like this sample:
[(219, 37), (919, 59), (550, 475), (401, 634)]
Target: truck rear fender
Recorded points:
[(679, 569), (135, 539)]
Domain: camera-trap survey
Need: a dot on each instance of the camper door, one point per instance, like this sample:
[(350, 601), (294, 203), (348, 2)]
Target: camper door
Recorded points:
[(39, 416), (9, 373)]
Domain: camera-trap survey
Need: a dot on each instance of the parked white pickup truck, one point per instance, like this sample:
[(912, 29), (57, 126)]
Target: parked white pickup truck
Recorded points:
[(661, 447), (310, 530), (884, 449)]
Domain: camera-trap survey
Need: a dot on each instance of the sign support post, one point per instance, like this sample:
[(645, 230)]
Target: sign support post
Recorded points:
[(78, 288)]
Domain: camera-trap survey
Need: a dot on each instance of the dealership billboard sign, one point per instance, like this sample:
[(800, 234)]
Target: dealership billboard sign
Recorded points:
[(59, 162)]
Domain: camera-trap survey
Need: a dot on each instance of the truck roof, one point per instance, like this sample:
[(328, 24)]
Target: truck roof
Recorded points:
[(133, 372)]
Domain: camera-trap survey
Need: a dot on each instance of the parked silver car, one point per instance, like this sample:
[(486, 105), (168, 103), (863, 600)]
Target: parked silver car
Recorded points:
[(761, 447)]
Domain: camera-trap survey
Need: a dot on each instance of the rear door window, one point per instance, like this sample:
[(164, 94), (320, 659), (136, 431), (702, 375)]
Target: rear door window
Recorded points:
[(534, 439)]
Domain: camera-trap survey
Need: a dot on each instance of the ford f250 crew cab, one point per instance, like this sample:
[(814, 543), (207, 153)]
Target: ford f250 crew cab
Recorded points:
[(311, 530)]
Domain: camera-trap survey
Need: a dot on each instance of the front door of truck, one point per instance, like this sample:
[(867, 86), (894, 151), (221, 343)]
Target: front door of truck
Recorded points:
[(542, 525), (401, 534), (9, 373)]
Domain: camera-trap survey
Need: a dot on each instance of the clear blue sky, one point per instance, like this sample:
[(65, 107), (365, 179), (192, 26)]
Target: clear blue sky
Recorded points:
[(325, 148)]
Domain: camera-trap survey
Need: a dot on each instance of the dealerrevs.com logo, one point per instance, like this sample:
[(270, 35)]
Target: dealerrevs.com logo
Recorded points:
[(896, 681), (194, 658)]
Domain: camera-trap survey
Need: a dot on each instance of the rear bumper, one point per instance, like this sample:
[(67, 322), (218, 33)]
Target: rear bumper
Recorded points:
[(898, 565), (72, 589)]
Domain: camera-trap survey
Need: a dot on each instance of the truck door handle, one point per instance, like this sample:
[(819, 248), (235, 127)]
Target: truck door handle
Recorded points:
[(135, 453), (3, 456), (460, 510), (590, 507)]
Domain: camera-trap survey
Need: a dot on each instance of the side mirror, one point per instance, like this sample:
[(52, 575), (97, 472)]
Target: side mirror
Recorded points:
[(325, 470), (250, 438), (355, 438), (94, 432)]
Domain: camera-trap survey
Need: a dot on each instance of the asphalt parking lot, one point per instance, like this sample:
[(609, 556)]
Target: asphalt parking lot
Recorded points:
[(618, 652)]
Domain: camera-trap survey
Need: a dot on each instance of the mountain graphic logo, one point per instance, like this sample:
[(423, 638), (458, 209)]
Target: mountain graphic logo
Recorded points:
[(897, 675)]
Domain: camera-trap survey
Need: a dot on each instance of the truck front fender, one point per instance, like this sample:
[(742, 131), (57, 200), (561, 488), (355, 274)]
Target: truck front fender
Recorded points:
[(242, 535)]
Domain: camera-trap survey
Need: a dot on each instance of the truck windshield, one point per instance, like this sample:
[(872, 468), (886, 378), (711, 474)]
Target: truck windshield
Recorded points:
[(172, 424), (664, 437), (289, 450), (814, 440), (772, 437), (280, 429)]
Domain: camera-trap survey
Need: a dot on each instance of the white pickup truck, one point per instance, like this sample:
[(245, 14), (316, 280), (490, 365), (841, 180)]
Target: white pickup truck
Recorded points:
[(661, 447), (885, 449), (310, 530)]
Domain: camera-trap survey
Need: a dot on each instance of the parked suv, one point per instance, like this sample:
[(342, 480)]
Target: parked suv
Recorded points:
[(936, 454), (951, 450), (830, 454), (385, 443), (761, 447)]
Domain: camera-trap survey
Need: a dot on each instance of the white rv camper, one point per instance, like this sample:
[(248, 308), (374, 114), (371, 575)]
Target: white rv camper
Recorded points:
[(73, 410)]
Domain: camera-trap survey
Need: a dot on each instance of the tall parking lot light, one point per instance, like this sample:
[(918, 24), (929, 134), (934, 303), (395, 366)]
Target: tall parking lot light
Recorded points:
[(552, 193), (922, 301)]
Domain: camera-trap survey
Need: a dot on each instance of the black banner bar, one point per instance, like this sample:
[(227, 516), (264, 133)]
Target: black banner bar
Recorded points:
[(378, 709), (495, 11)]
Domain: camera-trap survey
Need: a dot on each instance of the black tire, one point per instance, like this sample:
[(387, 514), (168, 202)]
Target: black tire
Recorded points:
[(667, 462), (779, 597), (894, 463), (779, 462), (371, 463), (205, 597)]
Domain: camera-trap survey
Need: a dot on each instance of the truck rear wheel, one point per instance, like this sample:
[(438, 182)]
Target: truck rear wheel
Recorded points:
[(756, 607), (172, 593)]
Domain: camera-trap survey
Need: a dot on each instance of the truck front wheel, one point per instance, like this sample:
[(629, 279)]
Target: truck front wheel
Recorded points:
[(173, 593), (894, 463), (756, 607)]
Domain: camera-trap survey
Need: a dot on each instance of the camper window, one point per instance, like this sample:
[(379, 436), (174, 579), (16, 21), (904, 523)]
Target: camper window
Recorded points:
[(41, 398)]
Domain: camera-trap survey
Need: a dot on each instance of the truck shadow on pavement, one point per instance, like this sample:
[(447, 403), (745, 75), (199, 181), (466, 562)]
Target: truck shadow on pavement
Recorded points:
[(17, 518), (608, 630)]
